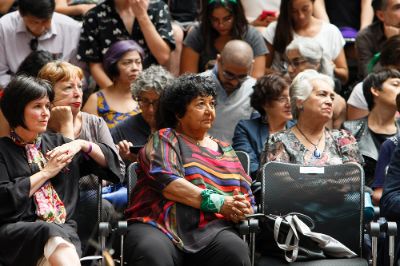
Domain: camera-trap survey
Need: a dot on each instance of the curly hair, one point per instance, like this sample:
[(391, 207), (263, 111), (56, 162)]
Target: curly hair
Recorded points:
[(154, 78), (267, 89), (178, 95)]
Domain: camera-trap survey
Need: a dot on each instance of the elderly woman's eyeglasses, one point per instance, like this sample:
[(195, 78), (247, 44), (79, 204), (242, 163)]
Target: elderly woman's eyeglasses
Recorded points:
[(298, 61), (146, 103), (283, 100)]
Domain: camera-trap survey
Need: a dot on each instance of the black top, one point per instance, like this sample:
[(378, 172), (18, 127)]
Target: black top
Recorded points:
[(133, 129), (344, 13), (22, 237), (102, 26)]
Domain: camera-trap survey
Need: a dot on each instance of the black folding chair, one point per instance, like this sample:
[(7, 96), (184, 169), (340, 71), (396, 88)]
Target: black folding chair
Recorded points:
[(244, 159), (333, 196)]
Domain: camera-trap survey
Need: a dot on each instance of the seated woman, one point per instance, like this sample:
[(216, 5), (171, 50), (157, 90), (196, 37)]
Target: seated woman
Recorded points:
[(191, 188), (220, 22), (271, 99), (66, 118), (306, 53), (296, 20), (380, 89), (309, 142), (135, 130), (39, 174), (122, 62)]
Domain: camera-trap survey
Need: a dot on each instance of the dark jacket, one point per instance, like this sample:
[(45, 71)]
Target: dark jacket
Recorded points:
[(250, 136), (369, 149)]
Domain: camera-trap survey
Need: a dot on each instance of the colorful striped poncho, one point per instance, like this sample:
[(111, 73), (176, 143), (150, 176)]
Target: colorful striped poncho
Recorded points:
[(168, 156)]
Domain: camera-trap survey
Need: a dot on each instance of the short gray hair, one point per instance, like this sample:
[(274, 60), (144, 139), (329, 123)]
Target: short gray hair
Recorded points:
[(154, 78), (301, 87), (313, 52)]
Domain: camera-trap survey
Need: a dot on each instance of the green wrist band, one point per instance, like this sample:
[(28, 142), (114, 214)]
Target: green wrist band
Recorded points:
[(211, 201)]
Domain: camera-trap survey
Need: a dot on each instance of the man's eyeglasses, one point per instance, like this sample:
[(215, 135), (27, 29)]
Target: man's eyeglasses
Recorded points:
[(146, 103), (230, 76), (33, 44)]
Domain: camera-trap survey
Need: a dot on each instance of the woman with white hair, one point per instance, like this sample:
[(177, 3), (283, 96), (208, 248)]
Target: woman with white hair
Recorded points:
[(306, 53), (309, 142)]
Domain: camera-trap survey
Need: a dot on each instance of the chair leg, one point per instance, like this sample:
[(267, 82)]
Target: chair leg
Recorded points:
[(122, 230)]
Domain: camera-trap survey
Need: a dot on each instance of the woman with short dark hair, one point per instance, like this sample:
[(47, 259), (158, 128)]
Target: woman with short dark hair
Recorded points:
[(39, 175), (191, 187), (271, 99)]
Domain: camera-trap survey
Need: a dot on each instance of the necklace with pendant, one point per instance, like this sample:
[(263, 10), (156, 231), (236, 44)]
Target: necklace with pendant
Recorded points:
[(317, 152)]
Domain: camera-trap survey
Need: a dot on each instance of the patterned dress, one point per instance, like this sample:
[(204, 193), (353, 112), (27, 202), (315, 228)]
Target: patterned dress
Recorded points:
[(110, 116), (169, 156), (340, 147), (102, 26)]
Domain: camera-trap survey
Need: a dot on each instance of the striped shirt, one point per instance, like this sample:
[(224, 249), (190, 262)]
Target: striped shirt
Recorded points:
[(168, 156)]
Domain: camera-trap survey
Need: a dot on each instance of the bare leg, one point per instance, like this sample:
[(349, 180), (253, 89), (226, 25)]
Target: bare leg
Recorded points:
[(64, 256)]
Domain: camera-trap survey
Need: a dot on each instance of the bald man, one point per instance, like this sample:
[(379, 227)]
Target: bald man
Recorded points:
[(234, 87)]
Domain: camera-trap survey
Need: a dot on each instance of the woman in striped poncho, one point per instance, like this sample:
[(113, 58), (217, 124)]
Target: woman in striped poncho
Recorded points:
[(191, 187)]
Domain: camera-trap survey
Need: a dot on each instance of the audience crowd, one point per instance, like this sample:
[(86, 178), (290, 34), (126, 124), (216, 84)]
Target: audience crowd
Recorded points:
[(88, 87)]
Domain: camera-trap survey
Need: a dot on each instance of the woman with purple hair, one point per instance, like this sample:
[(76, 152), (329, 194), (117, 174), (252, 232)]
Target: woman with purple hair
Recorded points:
[(123, 63)]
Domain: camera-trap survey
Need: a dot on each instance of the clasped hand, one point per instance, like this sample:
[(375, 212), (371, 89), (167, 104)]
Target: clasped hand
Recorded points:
[(236, 207), (60, 157)]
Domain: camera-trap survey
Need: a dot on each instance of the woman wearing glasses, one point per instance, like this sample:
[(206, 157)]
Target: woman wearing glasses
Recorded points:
[(221, 21), (305, 53), (271, 99), (135, 130), (296, 20), (122, 62)]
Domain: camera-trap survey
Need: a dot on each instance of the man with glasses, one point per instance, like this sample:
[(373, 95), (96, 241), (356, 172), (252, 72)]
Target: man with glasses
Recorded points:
[(35, 26), (234, 87)]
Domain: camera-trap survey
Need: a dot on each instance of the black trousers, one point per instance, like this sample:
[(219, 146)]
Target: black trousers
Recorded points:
[(147, 245)]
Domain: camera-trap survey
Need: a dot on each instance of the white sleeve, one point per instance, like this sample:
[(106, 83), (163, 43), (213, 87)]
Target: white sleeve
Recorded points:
[(269, 32), (357, 98)]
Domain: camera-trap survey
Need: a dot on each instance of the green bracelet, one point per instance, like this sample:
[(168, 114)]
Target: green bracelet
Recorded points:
[(211, 201)]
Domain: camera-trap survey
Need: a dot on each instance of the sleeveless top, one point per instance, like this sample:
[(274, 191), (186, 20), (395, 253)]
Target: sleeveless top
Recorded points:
[(110, 116)]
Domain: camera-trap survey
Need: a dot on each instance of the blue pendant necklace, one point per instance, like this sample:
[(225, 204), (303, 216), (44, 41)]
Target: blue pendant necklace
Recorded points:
[(317, 152)]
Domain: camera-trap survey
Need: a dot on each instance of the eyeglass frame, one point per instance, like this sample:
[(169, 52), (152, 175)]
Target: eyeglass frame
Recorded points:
[(225, 21), (146, 103), (230, 76), (296, 62)]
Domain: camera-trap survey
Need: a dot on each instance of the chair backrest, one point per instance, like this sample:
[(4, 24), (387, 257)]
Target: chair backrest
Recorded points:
[(244, 159), (131, 178), (331, 195)]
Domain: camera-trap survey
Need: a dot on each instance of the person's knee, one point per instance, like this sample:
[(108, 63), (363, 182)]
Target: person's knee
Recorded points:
[(142, 249)]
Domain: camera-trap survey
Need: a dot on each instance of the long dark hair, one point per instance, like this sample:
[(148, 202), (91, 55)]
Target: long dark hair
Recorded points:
[(284, 27), (240, 24)]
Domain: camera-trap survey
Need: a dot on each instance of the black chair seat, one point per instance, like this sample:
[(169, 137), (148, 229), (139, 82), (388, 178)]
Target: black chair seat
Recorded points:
[(271, 261)]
